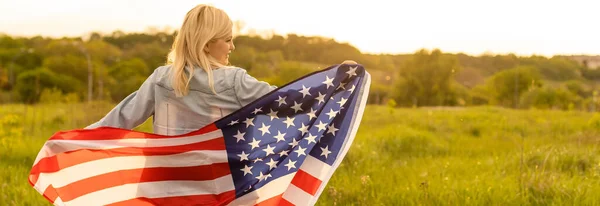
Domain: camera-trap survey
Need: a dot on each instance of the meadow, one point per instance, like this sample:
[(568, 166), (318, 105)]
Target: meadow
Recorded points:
[(407, 156)]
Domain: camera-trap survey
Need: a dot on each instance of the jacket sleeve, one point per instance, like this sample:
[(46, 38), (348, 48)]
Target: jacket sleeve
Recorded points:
[(247, 88), (133, 110)]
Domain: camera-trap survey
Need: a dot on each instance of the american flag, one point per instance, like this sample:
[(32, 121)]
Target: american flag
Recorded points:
[(278, 150)]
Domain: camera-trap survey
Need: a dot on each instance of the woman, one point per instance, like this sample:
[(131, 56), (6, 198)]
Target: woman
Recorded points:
[(197, 88)]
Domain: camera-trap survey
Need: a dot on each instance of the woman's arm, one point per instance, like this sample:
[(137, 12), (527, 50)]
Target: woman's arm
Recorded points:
[(133, 110)]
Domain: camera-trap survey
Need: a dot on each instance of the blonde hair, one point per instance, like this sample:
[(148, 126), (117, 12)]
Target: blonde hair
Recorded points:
[(202, 24)]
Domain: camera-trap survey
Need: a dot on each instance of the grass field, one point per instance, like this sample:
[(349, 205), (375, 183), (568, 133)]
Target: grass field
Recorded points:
[(425, 156)]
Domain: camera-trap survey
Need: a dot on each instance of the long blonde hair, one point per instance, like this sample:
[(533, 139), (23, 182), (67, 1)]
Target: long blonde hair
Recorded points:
[(202, 24)]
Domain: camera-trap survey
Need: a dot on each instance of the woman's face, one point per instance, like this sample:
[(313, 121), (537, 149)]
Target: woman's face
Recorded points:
[(220, 49)]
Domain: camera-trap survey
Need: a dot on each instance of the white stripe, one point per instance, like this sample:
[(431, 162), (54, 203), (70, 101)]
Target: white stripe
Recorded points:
[(58, 202), (315, 167), (297, 196), (267, 191), (155, 190), (53, 147), (97, 167)]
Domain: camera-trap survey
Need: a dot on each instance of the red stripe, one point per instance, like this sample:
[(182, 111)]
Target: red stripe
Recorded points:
[(284, 202), (220, 199), (50, 193), (68, 159), (108, 180), (277, 200), (108, 133), (306, 182)]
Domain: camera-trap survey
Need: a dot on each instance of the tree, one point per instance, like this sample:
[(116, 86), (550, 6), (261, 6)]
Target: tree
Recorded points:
[(127, 77), (508, 85), (425, 79), (31, 83)]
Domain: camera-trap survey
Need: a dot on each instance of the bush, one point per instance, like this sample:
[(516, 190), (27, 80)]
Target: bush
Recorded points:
[(54, 96), (549, 98)]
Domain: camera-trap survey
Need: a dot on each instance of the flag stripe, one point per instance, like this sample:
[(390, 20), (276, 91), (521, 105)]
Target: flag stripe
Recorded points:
[(156, 190), (306, 182), (275, 201), (315, 167), (51, 164), (284, 202), (50, 193), (89, 169), (112, 179), (274, 188), (106, 133), (220, 199), (54, 147), (297, 196)]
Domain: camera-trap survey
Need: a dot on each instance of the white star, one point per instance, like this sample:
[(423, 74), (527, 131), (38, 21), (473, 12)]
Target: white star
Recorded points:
[(305, 91), (294, 143), (257, 160), (289, 121), (243, 156), (291, 164), (300, 151), (325, 151), (352, 89), (303, 129), (279, 136), (297, 107), (272, 114), (239, 136), (321, 98), (331, 114), (283, 153), (233, 122), (269, 150), (265, 129), (342, 101), (262, 177), (311, 114), (331, 129), (281, 100), (254, 143), (352, 71), (328, 81), (257, 110), (342, 85), (249, 121), (268, 175), (311, 138), (272, 164), (321, 125), (247, 169)]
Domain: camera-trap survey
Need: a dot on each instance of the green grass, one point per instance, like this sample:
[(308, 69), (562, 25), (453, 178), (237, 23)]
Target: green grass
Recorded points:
[(426, 156)]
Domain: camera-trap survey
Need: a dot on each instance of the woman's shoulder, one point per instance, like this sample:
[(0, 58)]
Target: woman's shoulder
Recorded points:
[(161, 74)]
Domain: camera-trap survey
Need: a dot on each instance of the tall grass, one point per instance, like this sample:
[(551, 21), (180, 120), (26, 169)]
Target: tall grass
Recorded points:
[(425, 156)]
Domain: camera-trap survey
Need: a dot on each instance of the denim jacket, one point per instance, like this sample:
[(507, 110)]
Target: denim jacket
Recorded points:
[(179, 115)]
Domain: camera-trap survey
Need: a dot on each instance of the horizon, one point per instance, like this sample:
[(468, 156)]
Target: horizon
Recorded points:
[(465, 26)]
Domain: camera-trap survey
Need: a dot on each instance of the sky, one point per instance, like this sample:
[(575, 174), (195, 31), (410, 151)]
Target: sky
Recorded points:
[(523, 27)]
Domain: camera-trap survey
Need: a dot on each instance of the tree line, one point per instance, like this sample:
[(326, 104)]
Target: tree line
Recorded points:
[(108, 67)]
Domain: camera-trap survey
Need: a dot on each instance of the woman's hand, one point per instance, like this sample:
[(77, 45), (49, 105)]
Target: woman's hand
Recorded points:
[(349, 62)]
